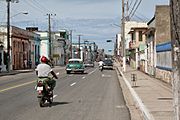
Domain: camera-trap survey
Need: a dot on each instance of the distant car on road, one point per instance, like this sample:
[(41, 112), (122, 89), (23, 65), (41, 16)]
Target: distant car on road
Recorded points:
[(107, 64), (75, 65), (89, 63)]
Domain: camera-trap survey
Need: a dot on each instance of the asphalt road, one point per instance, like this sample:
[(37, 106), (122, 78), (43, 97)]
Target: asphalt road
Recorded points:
[(94, 95)]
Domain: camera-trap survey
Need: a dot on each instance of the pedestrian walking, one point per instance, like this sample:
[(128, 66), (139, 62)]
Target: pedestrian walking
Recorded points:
[(25, 63)]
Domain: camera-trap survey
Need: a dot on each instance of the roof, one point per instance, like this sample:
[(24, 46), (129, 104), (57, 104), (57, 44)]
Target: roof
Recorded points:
[(137, 28), (152, 29), (151, 20)]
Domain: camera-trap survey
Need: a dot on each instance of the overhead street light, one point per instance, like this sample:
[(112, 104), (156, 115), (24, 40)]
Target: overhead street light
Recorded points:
[(8, 32), (25, 13), (108, 40)]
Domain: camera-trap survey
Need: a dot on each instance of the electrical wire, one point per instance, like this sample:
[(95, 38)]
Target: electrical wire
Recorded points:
[(34, 6), (145, 17), (136, 8), (36, 3), (138, 17), (130, 2), (133, 7)]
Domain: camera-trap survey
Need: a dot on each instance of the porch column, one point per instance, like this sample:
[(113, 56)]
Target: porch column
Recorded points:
[(137, 58)]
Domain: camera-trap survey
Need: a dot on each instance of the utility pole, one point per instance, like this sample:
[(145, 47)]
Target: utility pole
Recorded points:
[(79, 45), (8, 35), (127, 10), (175, 34), (123, 38), (71, 41), (49, 34)]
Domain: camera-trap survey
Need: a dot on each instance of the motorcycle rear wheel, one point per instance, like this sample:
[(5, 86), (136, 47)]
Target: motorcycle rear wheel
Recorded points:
[(51, 98), (41, 102)]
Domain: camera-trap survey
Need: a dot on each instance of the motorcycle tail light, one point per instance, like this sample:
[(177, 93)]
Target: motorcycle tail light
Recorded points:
[(40, 83)]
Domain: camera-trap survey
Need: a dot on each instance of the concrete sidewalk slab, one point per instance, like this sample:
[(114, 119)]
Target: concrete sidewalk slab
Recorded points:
[(13, 72), (155, 95)]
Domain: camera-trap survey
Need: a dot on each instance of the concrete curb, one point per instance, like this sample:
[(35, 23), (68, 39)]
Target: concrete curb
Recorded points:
[(138, 102), (134, 111), (15, 72)]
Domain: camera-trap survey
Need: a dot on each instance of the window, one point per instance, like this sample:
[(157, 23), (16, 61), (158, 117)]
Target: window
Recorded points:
[(133, 37), (164, 60), (140, 35), (74, 62)]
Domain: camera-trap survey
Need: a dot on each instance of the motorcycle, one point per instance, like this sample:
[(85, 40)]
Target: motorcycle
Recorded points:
[(45, 93)]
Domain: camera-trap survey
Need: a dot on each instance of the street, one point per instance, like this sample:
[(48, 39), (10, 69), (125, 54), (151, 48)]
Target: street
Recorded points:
[(94, 95)]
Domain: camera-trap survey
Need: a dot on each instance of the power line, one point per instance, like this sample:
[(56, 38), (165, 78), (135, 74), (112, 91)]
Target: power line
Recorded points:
[(36, 3), (34, 6), (130, 2), (145, 17), (140, 18), (133, 7), (136, 8)]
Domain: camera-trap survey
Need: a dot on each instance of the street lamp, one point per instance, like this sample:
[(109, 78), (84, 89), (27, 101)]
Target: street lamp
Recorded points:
[(115, 46), (8, 32), (25, 13)]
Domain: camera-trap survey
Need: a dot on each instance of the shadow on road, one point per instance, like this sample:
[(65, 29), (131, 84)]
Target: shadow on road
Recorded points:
[(60, 103), (76, 73), (56, 103)]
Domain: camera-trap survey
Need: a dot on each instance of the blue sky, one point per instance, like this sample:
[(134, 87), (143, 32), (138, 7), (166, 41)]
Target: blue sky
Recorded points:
[(93, 19)]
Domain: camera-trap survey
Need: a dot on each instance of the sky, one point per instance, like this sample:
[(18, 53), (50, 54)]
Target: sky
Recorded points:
[(95, 20)]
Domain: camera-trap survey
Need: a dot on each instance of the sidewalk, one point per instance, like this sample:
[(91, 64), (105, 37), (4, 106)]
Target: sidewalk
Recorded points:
[(151, 96), (13, 72)]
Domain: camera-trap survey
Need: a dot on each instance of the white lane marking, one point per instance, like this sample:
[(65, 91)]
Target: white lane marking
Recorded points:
[(54, 96), (70, 75), (17, 86), (92, 71), (73, 84), (106, 75), (120, 106), (83, 77)]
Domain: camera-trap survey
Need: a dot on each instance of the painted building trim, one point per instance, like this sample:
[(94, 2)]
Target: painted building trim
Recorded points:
[(164, 68), (164, 47)]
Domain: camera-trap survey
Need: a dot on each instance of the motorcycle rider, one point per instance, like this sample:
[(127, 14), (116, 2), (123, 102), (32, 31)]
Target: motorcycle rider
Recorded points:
[(43, 69), (101, 63)]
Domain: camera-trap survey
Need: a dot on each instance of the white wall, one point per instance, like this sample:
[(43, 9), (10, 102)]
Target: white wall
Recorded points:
[(118, 44)]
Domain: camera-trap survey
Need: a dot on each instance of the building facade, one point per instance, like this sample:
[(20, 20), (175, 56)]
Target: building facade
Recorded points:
[(20, 50), (44, 45), (151, 47), (61, 47), (2, 50), (128, 38), (137, 49), (163, 44)]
